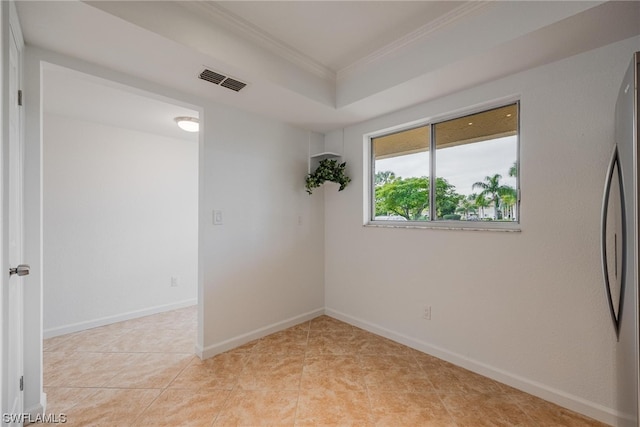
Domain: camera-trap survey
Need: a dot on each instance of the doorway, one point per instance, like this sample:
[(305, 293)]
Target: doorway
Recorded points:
[(120, 203)]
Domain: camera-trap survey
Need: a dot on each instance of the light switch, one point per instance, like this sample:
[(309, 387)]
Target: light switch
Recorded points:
[(217, 217)]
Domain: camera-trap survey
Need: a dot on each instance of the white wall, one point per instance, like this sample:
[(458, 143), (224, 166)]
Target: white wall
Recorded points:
[(120, 219), (265, 264), (262, 269), (526, 308)]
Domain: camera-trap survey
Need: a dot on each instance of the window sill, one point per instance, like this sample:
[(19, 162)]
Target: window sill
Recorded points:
[(448, 225)]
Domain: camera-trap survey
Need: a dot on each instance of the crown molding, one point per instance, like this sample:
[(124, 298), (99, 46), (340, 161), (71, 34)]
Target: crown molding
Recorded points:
[(245, 28), (412, 37)]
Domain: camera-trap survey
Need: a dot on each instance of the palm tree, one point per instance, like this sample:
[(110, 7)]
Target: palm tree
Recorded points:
[(466, 207), (479, 201), (491, 189), (384, 177), (509, 200)]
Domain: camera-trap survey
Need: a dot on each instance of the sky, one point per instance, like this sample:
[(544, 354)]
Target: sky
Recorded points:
[(461, 165)]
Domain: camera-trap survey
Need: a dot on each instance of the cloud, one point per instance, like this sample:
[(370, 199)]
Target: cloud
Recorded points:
[(461, 165)]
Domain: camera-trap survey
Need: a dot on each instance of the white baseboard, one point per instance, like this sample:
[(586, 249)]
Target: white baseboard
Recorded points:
[(94, 323), (37, 415), (212, 350), (38, 409), (566, 400), (199, 351)]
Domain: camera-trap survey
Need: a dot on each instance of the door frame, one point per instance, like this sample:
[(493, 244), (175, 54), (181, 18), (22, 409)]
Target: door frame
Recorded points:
[(11, 36), (35, 60)]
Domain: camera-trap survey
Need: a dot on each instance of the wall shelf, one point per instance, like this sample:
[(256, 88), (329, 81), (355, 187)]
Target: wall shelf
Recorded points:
[(325, 155), (314, 159), (322, 147)]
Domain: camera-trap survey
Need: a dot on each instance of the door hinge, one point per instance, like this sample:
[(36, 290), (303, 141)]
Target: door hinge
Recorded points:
[(20, 97), (22, 383)]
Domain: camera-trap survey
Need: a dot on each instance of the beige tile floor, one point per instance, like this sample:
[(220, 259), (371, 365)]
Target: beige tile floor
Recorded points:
[(320, 373)]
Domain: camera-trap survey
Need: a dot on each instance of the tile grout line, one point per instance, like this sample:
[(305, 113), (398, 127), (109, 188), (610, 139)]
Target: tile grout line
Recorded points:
[(304, 363), (223, 406), (372, 417), (436, 391), (162, 390), (342, 345)]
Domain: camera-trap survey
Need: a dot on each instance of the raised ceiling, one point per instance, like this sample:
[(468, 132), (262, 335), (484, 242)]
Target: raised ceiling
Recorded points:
[(324, 65), (336, 34)]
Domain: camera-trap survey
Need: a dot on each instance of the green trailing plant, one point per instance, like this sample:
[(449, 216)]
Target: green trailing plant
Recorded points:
[(327, 170)]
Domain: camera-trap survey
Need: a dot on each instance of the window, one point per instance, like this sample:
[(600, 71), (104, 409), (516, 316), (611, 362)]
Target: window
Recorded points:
[(471, 178)]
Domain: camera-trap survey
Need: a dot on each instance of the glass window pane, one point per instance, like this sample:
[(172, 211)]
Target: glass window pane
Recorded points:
[(476, 166), (401, 175)]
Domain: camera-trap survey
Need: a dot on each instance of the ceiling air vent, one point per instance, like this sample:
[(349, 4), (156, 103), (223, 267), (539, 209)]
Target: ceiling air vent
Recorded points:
[(221, 80), (232, 84)]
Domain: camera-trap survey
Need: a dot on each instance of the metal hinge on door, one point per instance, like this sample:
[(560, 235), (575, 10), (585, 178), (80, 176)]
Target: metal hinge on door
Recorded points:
[(22, 383), (20, 98)]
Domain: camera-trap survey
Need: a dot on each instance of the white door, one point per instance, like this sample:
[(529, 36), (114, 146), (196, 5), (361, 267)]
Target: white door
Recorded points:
[(12, 231)]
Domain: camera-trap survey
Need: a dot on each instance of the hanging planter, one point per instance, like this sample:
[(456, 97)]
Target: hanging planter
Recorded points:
[(327, 170)]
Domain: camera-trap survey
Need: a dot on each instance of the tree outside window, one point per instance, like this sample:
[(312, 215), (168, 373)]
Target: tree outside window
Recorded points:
[(474, 172)]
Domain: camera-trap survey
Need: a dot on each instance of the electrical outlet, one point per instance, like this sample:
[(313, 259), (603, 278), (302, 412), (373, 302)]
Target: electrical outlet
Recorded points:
[(426, 312), (217, 217), (174, 281)]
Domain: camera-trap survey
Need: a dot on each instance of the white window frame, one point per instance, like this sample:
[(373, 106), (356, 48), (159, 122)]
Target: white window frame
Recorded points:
[(369, 199)]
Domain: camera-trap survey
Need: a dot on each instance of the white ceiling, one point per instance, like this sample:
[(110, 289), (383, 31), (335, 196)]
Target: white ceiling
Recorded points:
[(324, 65), (94, 99), (333, 33)]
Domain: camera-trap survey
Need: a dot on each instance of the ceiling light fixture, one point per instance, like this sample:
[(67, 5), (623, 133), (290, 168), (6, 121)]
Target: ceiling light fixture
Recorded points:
[(189, 124)]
